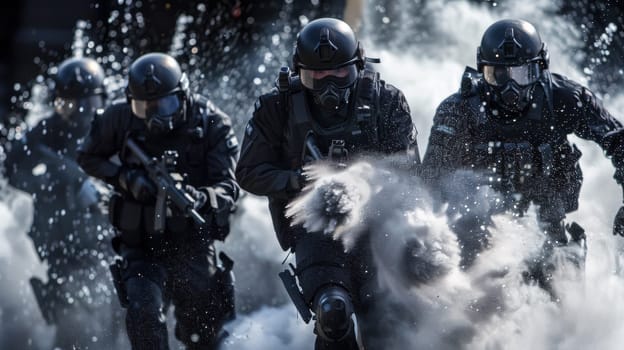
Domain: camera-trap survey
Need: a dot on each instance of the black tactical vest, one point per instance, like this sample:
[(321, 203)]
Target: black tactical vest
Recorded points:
[(359, 131), (136, 220), (529, 156), (188, 142)]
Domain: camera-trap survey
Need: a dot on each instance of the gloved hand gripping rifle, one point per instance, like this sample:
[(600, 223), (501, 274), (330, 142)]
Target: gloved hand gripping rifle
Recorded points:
[(169, 188), (337, 153)]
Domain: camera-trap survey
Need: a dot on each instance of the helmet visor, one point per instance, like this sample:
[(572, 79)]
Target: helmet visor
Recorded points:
[(498, 75), (318, 79), (163, 106), (68, 106)]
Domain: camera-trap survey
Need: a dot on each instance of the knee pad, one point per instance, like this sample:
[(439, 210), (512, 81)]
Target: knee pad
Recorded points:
[(333, 314)]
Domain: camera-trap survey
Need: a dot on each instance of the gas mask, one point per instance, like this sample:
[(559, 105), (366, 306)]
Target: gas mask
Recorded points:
[(513, 97), (332, 97), (512, 86), (77, 113), (330, 88), (162, 115)]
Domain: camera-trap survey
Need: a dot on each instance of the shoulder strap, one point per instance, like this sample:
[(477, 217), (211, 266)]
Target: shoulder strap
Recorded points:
[(367, 109), (203, 107), (294, 106), (478, 114), (283, 85)]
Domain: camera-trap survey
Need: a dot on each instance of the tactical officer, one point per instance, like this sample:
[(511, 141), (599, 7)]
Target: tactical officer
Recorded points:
[(509, 124), (334, 99), (176, 190), (68, 228)]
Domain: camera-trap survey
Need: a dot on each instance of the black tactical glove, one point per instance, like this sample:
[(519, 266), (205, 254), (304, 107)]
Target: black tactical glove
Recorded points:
[(199, 196), (220, 206), (136, 182), (296, 182), (618, 223), (88, 195)]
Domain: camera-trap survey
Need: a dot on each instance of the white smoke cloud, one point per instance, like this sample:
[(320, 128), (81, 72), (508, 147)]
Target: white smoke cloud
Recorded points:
[(269, 328), (330, 203), (428, 299), (19, 262), (588, 314)]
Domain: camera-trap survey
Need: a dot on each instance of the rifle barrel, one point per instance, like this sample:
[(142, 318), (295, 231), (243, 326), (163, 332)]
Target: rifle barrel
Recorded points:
[(310, 144)]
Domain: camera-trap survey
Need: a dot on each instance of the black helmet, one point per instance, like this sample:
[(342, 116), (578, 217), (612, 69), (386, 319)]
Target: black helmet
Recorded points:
[(79, 77), (78, 87), (158, 91), (327, 58), (327, 43), (511, 42), (512, 58)]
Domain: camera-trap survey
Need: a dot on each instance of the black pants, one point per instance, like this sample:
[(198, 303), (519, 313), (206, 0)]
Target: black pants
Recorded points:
[(321, 262), (191, 281)]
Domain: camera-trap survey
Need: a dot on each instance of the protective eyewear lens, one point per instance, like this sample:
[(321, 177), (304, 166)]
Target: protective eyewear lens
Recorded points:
[(523, 75), (317, 79), (164, 106)]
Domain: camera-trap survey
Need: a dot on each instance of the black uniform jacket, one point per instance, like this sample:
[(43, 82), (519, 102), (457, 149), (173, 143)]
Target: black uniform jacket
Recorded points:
[(207, 151), (267, 168), (467, 135)]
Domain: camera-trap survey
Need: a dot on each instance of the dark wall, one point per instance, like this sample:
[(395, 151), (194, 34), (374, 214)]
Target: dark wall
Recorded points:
[(38, 28)]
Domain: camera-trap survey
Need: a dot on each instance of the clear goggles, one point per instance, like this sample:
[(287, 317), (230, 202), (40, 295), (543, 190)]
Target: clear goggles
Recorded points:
[(163, 106), (525, 74), (68, 106), (318, 79)]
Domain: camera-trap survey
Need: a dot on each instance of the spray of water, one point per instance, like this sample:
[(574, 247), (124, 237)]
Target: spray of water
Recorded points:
[(487, 307), (88, 292)]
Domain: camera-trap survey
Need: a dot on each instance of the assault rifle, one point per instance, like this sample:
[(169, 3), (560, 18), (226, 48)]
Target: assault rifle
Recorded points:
[(337, 153), (169, 188)]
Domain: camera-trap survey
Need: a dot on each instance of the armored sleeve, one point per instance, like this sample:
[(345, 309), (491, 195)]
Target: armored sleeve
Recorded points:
[(220, 162), (597, 124), (614, 148), (262, 168), (104, 140), (398, 132), (446, 140)]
